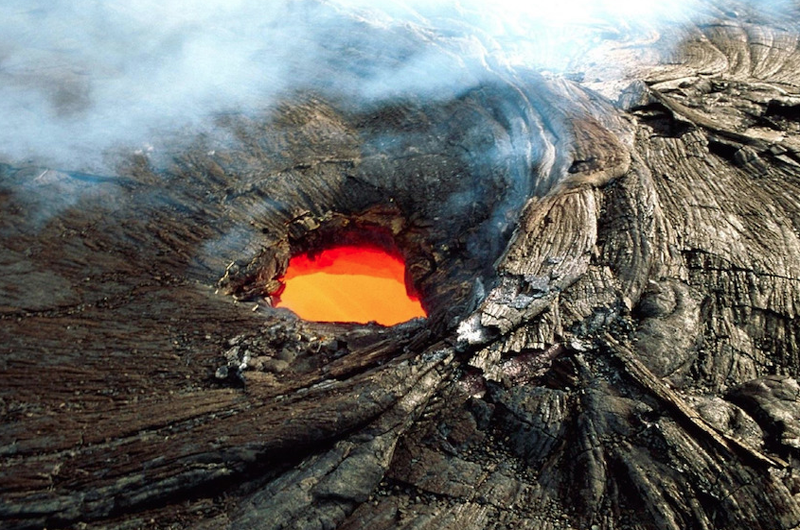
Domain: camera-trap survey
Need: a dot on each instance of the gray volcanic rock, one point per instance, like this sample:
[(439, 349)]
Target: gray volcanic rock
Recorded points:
[(609, 256)]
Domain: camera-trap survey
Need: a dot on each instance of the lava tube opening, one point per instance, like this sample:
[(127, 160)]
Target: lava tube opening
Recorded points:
[(349, 283)]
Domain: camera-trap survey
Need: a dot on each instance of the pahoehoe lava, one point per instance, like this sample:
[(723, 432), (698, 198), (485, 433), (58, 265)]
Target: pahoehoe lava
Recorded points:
[(609, 259)]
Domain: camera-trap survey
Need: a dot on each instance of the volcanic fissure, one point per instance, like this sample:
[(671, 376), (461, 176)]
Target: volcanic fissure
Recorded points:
[(349, 283)]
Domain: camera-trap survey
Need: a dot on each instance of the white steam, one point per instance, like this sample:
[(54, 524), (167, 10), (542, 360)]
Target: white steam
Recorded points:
[(79, 79)]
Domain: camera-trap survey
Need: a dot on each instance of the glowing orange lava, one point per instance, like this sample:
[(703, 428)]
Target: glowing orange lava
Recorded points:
[(349, 284)]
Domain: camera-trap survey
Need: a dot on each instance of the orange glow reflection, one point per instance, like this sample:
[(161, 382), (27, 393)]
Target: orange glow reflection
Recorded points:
[(349, 284)]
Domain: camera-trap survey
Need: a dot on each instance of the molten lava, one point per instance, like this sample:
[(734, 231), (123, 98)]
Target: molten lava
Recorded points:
[(349, 284)]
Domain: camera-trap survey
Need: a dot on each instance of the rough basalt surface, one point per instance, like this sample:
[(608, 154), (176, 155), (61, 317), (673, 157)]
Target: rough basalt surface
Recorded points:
[(611, 264)]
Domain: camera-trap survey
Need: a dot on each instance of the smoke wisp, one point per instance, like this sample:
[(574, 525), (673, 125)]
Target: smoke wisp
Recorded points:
[(79, 80)]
